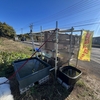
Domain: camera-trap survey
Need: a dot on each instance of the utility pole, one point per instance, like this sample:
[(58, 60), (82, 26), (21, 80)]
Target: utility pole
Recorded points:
[(21, 30), (31, 36)]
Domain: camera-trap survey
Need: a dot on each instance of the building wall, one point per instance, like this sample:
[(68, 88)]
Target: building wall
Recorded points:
[(96, 40)]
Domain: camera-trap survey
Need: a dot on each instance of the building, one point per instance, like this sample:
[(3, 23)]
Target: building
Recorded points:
[(96, 40)]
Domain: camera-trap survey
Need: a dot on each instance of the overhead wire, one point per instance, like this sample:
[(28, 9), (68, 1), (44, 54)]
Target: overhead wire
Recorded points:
[(59, 11), (85, 13), (69, 14), (84, 24), (52, 15), (77, 5), (55, 14)]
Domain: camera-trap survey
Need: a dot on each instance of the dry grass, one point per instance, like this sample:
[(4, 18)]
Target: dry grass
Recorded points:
[(9, 45)]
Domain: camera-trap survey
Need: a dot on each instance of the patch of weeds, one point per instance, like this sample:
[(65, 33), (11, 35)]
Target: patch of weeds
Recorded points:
[(2, 73), (84, 93), (6, 59), (80, 83), (91, 95), (71, 64), (33, 90), (1, 42), (78, 95)]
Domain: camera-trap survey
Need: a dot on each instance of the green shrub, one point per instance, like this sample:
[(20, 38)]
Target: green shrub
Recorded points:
[(6, 59)]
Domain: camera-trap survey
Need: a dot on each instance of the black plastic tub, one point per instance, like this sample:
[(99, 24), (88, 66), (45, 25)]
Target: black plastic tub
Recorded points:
[(33, 71), (68, 74)]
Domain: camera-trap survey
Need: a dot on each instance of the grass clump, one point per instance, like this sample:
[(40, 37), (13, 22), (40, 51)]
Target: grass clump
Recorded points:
[(80, 83)]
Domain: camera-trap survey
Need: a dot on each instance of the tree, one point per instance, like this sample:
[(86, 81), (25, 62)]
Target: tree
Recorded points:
[(6, 30), (24, 36)]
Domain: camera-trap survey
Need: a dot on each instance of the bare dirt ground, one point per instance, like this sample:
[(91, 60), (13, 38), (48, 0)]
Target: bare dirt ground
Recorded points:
[(87, 88)]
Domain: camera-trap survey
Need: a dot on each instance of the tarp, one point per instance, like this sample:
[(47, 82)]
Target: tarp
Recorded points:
[(85, 46), (5, 92)]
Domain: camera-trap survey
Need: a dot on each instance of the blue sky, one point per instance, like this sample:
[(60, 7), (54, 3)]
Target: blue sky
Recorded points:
[(77, 13)]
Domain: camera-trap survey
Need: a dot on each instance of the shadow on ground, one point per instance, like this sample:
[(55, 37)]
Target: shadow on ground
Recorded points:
[(50, 90)]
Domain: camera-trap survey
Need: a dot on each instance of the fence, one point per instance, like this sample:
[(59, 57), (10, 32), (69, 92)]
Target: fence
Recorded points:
[(68, 45)]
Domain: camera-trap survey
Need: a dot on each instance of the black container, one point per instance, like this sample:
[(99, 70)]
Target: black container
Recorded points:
[(68, 74)]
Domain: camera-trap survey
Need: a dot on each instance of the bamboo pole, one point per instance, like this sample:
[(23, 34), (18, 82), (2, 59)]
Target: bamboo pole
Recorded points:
[(56, 49)]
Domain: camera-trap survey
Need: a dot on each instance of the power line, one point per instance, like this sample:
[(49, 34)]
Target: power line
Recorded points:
[(84, 24), (80, 3), (59, 15), (80, 22), (58, 12), (54, 14)]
